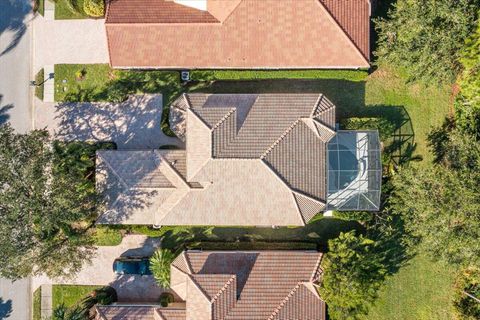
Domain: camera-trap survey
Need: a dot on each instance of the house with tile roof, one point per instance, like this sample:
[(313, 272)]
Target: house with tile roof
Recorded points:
[(250, 160), (233, 285), (238, 34)]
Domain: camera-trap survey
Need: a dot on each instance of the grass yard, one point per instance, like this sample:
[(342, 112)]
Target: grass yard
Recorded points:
[(37, 304), (39, 78), (422, 290), (105, 236), (69, 9), (317, 232), (39, 6), (70, 295)]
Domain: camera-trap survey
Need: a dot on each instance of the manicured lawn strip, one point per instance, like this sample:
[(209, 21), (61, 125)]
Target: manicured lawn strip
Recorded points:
[(105, 236), (209, 75), (254, 245), (37, 304), (70, 295), (69, 9), (95, 78), (39, 78), (316, 234), (422, 290)]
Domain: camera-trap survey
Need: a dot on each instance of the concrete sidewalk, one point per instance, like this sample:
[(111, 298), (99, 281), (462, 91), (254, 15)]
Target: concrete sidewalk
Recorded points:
[(68, 41)]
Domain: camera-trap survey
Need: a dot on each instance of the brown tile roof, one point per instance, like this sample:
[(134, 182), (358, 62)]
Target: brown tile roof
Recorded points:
[(350, 15), (170, 314), (301, 303), (154, 11), (255, 34), (268, 283), (119, 312)]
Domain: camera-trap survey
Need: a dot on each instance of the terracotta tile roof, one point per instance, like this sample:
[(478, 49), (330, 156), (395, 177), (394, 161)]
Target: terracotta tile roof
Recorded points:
[(170, 314), (211, 284), (154, 11), (255, 34), (350, 15), (119, 312), (268, 283), (303, 302)]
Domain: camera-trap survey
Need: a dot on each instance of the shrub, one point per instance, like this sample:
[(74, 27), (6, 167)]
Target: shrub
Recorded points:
[(160, 266), (166, 298), (467, 307), (103, 296), (94, 8)]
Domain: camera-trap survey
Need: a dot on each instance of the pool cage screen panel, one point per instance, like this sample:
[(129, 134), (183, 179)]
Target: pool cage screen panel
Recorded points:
[(354, 171)]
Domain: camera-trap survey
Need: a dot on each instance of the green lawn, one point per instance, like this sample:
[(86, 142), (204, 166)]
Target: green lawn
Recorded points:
[(69, 9), (422, 290), (70, 295), (37, 304), (39, 6), (39, 78), (317, 232), (105, 236)]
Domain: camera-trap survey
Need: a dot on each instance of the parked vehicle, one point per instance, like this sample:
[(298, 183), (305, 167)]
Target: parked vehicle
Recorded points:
[(132, 265)]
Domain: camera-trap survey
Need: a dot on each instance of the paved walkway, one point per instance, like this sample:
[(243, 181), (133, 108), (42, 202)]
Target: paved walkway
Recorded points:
[(68, 41), (46, 301), (133, 124), (49, 13), (130, 288)]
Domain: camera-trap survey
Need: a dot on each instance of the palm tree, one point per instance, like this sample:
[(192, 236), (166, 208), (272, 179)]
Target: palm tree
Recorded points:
[(63, 313), (160, 263)]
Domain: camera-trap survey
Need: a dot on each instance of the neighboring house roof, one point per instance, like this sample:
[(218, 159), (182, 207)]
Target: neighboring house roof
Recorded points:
[(278, 139), (232, 285), (239, 34), (265, 284)]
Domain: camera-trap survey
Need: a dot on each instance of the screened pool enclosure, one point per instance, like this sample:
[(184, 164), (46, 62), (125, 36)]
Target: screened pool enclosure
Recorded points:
[(354, 171)]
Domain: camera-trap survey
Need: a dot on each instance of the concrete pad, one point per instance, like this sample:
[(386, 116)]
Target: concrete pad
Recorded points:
[(133, 124)]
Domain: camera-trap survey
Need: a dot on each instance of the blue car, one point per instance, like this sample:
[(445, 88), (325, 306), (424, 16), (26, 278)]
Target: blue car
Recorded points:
[(132, 265)]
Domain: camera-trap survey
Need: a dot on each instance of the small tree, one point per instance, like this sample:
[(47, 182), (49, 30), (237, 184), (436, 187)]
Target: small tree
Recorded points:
[(353, 273), (63, 313), (160, 266), (467, 294)]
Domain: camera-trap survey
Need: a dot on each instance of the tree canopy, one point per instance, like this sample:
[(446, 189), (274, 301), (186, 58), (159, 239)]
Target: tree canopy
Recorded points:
[(354, 271), (47, 202), (425, 37)]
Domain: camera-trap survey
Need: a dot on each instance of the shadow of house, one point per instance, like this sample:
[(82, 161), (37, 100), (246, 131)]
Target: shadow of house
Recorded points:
[(5, 309), (12, 18), (347, 96)]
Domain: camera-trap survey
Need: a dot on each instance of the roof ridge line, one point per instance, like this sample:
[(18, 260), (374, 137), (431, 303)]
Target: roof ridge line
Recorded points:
[(190, 276), (284, 301), (317, 104), (126, 186), (318, 270), (269, 149), (225, 286), (344, 32), (224, 118)]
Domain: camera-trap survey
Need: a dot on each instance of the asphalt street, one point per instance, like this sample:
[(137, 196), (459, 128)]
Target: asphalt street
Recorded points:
[(15, 107), (15, 43)]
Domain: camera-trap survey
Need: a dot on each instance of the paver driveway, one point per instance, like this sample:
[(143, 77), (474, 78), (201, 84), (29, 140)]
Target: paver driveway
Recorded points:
[(68, 41), (131, 288), (133, 124)]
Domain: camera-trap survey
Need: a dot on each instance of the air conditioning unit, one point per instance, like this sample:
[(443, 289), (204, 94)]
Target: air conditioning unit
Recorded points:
[(185, 75)]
